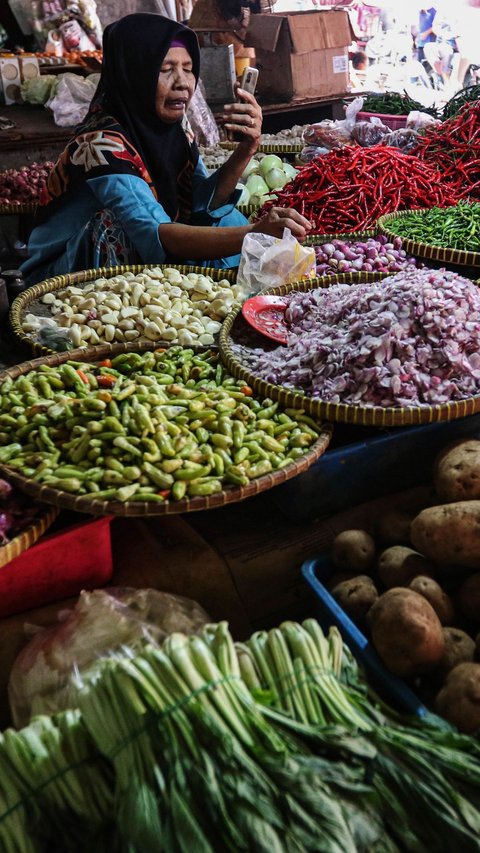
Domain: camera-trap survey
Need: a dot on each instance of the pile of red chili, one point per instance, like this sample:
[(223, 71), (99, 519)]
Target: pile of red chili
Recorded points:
[(349, 188), (454, 147)]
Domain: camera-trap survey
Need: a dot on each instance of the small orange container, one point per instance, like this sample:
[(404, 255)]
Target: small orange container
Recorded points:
[(58, 566)]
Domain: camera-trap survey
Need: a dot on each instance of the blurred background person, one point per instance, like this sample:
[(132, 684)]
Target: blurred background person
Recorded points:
[(423, 31), (439, 53)]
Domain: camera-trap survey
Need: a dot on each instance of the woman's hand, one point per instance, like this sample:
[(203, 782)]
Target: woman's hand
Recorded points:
[(279, 218), (245, 119)]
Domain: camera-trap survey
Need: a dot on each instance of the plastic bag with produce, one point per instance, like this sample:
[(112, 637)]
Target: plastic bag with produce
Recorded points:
[(44, 677), (334, 134), (403, 138), (368, 133), (269, 262)]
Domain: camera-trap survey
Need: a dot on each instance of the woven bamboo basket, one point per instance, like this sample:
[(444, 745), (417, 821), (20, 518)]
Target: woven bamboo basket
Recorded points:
[(235, 327), (268, 147), (318, 239), (25, 302), (386, 225), (231, 494), (28, 536)]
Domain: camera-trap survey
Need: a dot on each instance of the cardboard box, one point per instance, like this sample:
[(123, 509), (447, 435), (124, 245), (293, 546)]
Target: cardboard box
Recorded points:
[(301, 54)]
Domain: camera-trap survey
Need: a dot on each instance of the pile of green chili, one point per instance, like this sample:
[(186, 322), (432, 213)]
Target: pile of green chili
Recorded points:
[(394, 103), (452, 228)]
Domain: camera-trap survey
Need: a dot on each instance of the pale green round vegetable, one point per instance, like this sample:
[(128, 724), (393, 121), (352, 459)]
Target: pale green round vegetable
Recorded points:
[(251, 168), (271, 161), (256, 184), (290, 171), (245, 194), (276, 179)]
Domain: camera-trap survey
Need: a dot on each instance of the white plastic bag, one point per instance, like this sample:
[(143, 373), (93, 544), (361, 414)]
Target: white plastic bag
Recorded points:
[(269, 262), (417, 120), (72, 99)]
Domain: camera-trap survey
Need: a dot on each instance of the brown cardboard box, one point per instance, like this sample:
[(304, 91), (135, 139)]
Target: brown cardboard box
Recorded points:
[(301, 54)]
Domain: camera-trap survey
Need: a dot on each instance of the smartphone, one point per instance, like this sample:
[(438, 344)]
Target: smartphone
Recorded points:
[(249, 80)]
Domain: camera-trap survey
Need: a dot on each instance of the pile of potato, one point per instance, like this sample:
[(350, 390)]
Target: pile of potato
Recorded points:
[(414, 586)]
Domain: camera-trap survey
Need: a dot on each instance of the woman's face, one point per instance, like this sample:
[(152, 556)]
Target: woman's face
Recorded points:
[(176, 85)]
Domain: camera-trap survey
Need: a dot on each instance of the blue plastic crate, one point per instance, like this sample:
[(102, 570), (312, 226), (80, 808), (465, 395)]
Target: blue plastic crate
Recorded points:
[(328, 612), (364, 470)]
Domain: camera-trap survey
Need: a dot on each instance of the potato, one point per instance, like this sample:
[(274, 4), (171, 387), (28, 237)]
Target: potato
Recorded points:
[(406, 632), (459, 699), (449, 533), (394, 527), (468, 598), (459, 648), (477, 646), (398, 565), (353, 549), (339, 577), (435, 595), (456, 472), (356, 596)]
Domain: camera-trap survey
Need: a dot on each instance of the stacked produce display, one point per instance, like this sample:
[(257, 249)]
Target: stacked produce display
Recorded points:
[(200, 741), (183, 739)]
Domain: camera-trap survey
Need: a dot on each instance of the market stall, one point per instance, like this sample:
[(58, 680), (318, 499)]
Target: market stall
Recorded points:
[(240, 507)]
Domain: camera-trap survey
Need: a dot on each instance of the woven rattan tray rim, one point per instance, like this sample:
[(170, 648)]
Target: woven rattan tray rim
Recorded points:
[(269, 147), (337, 412), (58, 282), (12, 209), (232, 494), (26, 538), (425, 250)]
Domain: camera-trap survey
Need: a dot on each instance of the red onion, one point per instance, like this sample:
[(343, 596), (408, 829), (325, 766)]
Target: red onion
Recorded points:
[(18, 186)]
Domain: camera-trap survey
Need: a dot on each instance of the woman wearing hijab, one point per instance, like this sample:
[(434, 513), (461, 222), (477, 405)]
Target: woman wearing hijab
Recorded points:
[(130, 187)]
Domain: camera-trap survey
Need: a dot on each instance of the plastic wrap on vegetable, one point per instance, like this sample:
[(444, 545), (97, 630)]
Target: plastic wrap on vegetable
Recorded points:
[(403, 138), (310, 152), (201, 119), (38, 90), (44, 676), (417, 120), (368, 133), (334, 134), (268, 262)]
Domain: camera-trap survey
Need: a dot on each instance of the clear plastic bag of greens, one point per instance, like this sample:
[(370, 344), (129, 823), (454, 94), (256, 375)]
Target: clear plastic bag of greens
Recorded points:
[(269, 262), (42, 680), (38, 90)]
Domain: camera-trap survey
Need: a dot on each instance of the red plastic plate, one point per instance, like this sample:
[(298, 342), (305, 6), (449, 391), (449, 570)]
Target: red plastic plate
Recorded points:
[(267, 315)]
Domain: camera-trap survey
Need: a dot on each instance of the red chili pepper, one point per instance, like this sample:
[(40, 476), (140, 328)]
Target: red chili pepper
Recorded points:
[(106, 380), (348, 189), (107, 362)]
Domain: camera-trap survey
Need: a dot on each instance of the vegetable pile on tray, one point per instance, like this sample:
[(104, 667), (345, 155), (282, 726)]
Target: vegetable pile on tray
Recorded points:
[(154, 305), (395, 104), (412, 339), (464, 96), (201, 744), (453, 147), (23, 186), (348, 189), (374, 254), (453, 228), (412, 583), (162, 425)]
